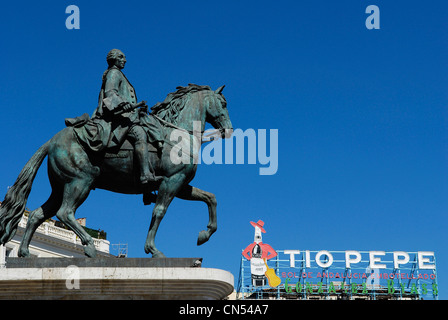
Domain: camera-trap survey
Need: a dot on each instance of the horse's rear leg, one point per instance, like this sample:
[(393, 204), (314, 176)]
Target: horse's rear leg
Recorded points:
[(75, 193), (195, 194), (36, 218)]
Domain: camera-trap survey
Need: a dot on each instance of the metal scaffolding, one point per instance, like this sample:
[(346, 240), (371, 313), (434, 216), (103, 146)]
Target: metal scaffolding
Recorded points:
[(121, 249), (308, 281)]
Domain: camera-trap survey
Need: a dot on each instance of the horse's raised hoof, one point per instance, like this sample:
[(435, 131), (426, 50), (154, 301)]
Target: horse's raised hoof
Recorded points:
[(90, 250), (23, 253), (203, 237)]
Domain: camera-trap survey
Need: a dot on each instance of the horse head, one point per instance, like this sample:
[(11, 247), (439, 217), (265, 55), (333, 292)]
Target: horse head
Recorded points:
[(217, 114), (180, 109)]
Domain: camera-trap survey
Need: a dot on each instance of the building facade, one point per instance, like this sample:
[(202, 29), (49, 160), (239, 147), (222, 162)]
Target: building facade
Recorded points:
[(52, 239)]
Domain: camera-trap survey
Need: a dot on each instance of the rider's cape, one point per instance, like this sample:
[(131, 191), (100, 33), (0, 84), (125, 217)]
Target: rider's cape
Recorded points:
[(106, 130)]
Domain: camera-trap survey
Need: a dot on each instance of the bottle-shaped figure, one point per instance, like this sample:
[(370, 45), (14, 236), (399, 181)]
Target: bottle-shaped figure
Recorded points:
[(257, 252), (257, 267)]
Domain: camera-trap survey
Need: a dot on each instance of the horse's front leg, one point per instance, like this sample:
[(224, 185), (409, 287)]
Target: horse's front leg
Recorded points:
[(195, 194), (167, 191)]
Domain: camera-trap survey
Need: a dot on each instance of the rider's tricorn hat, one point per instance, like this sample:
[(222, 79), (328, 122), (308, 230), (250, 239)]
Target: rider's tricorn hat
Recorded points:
[(258, 224)]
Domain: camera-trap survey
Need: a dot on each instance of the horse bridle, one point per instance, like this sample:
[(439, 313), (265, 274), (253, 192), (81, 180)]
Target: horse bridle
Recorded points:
[(190, 132)]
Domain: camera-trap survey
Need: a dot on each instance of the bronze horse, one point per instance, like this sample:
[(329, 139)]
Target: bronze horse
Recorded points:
[(73, 171)]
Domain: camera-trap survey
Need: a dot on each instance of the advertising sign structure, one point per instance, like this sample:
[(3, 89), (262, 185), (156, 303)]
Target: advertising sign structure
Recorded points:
[(258, 253), (349, 274)]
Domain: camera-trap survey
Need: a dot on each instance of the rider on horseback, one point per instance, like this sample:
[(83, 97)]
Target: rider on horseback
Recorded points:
[(117, 95), (117, 118)]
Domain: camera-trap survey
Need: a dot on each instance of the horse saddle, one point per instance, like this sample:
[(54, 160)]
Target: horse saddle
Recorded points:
[(121, 152), (78, 121), (124, 149)]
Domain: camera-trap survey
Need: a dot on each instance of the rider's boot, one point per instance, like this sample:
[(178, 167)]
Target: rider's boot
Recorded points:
[(147, 173)]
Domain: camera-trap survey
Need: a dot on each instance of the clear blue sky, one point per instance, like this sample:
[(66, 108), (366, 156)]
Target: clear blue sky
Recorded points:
[(361, 116)]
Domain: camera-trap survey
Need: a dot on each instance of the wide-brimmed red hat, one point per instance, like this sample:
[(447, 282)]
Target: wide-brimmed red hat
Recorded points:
[(258, 224)]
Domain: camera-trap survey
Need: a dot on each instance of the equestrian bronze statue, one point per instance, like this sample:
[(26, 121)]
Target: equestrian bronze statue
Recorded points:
[(124, 149)]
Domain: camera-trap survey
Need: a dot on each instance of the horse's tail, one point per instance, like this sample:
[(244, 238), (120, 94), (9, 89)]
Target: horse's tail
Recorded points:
[(12, 208)]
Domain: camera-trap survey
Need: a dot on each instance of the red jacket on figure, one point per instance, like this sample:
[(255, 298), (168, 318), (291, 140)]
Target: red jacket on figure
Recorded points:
[(267, 252)]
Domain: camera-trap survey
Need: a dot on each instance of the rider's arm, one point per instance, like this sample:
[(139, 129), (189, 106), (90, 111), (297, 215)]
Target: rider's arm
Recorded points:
[(112, 99)]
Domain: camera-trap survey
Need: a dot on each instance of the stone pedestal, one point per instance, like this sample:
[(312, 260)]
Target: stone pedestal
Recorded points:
[(113, 278)]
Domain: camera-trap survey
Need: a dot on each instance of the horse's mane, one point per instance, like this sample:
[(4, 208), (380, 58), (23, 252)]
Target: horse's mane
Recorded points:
[(170, 108)]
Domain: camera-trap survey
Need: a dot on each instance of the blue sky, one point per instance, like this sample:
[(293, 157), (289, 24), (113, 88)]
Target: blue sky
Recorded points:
[(361, 116)]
